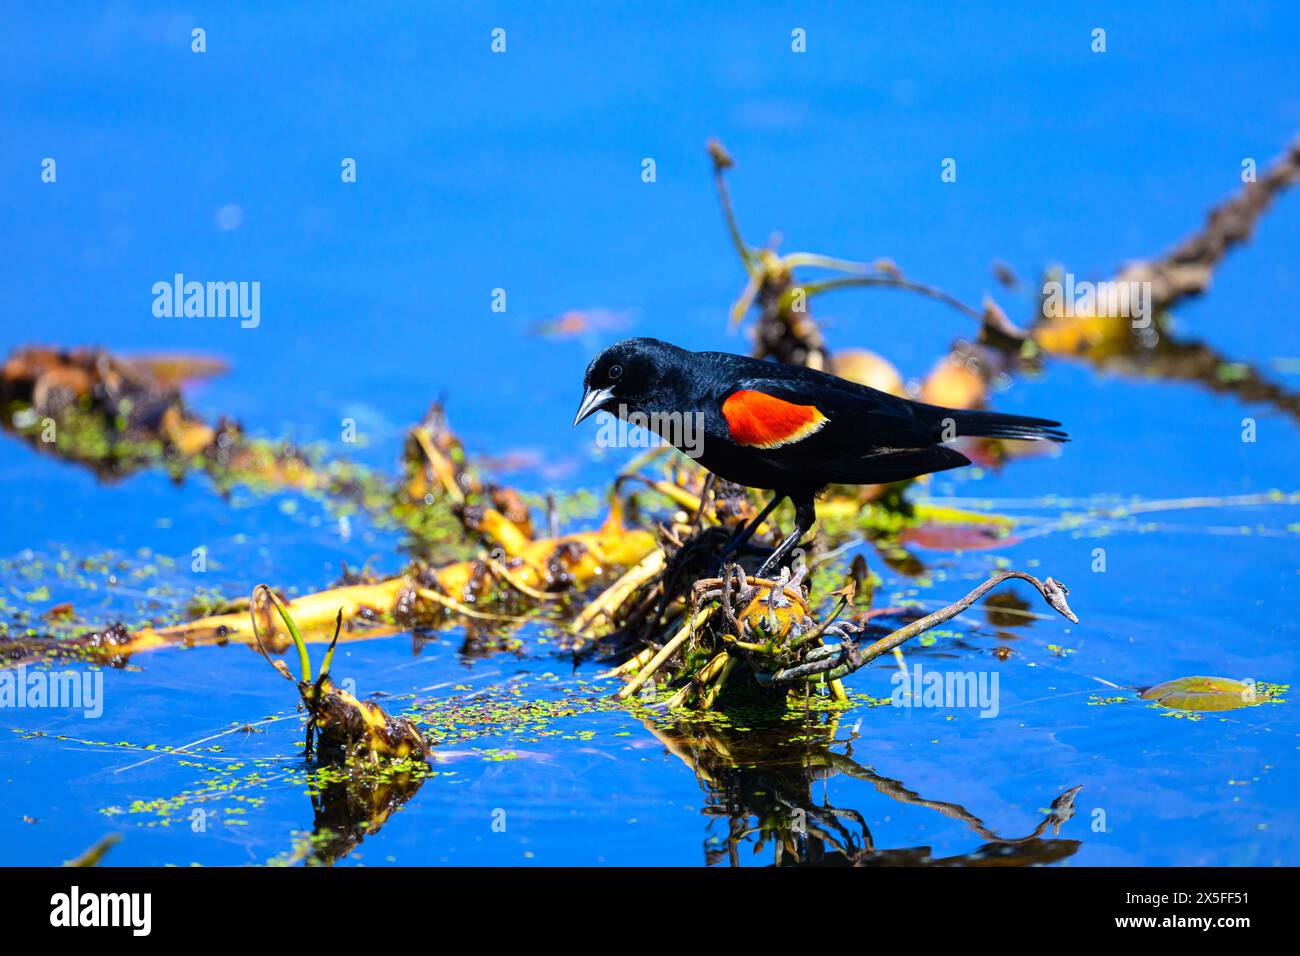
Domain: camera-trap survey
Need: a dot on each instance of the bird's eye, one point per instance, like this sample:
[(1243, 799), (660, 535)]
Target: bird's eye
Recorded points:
[(615, 371)]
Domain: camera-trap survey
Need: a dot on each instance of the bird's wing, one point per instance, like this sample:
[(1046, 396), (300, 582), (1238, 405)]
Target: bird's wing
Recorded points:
[(757, 418), (825, 417), (846, 434)]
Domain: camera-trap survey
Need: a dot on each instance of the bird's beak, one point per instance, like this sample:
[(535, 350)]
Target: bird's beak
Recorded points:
[(592, 402)]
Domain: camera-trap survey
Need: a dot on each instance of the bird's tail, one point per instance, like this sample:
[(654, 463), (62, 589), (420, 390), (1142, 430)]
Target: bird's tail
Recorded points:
[(957, 423)]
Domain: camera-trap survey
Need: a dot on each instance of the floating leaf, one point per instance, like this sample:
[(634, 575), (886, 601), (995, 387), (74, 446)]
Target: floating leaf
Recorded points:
[(1203, 693), (938, 536)]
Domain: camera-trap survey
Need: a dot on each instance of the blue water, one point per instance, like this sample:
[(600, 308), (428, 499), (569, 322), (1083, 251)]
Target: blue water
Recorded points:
[(522, 171)]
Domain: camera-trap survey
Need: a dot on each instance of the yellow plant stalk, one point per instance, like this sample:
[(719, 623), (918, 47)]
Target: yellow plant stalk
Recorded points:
[(549, 564), (496, 527), (602, 610), (313, 613)]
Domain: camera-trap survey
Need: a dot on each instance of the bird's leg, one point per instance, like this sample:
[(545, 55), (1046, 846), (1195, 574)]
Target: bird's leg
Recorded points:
[(726, 554), (744, 534), (805, 516)]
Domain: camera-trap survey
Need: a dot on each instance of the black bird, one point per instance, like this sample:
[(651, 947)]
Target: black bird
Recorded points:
[(785, 428)]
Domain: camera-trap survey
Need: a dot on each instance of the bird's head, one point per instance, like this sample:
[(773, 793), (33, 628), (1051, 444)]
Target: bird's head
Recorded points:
[(626, 377)]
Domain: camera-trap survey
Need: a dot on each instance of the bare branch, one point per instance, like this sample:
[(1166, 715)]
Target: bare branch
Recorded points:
[(1187, 269), (722, 161), (841, 660)]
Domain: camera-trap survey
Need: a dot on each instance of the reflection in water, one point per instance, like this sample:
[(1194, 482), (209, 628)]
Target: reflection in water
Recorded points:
[(1160, 354), (759, 785), (350, 805)]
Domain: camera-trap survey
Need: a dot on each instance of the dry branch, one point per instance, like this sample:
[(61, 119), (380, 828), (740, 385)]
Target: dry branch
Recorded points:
[(1186, 270), (834, 662)]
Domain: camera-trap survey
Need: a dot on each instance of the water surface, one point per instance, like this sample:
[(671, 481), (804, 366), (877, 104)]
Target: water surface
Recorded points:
[(523, 172)]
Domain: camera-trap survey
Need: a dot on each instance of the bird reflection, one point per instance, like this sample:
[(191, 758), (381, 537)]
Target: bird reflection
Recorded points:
[(759, 785)]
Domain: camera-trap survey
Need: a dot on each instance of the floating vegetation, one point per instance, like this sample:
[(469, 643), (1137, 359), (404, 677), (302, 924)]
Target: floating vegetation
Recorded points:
[(519, 580), (117, 415), (347, 726), (1209, 693), (766, 626)]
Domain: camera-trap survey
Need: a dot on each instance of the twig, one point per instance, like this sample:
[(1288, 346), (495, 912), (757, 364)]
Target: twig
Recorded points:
[(453, 605), (825, 660), (504, 573), (667, 651), (891, 282), (722, 161)]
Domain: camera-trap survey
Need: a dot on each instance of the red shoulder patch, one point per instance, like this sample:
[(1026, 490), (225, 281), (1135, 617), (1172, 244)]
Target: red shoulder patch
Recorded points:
[(762, 421)]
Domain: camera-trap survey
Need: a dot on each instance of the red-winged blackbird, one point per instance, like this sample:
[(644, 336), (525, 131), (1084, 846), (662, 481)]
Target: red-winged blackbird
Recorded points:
[(785, 428)]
